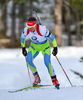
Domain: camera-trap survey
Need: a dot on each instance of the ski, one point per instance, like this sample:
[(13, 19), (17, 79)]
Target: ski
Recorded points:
[(31, 87)]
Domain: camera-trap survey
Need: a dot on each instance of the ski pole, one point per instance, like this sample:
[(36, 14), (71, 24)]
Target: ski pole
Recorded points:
[(28, 69), (64, 71)]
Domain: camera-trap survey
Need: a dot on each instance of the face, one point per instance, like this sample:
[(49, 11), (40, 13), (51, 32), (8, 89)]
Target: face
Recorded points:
[(32, 30)]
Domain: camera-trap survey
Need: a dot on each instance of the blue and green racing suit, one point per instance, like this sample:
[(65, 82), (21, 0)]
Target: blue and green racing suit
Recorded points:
[(39, 42)]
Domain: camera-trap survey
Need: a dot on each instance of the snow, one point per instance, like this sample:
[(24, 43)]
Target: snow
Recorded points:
[(14, 75)]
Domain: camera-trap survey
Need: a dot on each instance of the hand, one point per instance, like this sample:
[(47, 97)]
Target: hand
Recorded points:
[(24, 52), (55, 51)]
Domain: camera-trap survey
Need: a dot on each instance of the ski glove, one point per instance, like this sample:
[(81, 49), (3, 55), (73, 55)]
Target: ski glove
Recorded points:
[(24, 52), (55, 51)]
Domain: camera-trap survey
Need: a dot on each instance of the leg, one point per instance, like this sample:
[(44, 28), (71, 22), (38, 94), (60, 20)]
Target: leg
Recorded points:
[(47, 61), (32, 53), (51, 70)]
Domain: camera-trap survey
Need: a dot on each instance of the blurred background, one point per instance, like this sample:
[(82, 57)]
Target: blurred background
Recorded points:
[(64, 18)]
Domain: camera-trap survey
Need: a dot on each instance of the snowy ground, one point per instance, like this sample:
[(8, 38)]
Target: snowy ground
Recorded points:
[(14, 75)]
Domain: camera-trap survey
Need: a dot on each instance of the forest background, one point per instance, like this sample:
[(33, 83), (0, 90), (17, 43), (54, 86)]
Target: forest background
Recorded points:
[(64, 18)]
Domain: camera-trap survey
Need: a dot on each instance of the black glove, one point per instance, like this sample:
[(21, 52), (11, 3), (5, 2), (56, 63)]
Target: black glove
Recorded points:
[(55, 51), (24, 52)]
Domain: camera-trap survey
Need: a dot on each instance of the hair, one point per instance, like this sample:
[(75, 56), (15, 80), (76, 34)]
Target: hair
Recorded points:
[(32, 19)]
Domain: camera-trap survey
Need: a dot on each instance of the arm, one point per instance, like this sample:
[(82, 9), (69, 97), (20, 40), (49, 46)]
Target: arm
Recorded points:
[(52, 38), (23, 39), (45, 32)]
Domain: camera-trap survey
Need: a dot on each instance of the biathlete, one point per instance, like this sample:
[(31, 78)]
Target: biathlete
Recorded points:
[(39, 36)]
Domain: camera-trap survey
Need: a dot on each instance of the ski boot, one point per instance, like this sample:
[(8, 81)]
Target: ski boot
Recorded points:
[(37, 79), (55, 82)]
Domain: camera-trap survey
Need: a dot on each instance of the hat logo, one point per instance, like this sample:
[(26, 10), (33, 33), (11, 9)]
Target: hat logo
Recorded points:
[(34, 21)]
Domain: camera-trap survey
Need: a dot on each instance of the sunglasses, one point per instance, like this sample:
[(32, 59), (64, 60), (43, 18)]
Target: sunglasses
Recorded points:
[(31, 27)]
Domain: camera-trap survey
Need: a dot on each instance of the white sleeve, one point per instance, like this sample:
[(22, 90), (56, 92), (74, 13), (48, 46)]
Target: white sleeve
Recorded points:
[(24, 33), (43, 30)]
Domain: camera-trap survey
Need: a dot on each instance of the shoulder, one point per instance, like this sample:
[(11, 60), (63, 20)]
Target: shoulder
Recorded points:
[(43, 30), (42, 27), (24, 30)]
